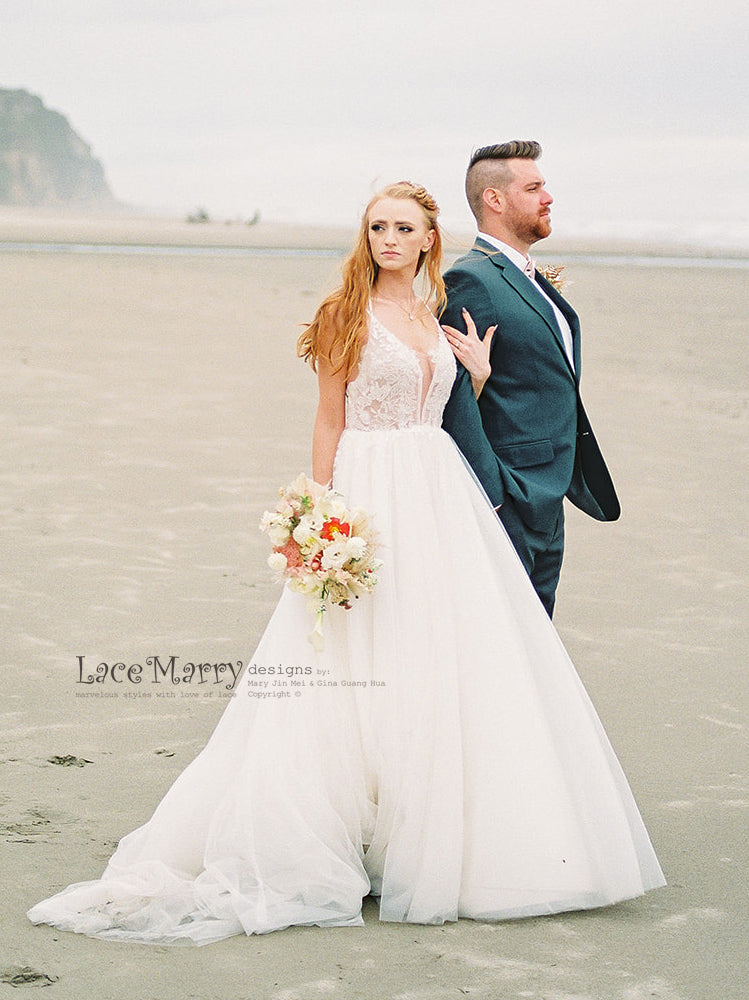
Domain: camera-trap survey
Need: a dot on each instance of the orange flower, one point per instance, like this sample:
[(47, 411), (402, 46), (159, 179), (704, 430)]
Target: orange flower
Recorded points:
[(334, 526)]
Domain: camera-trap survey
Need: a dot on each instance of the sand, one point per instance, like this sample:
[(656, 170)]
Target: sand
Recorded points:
[(151, 405)]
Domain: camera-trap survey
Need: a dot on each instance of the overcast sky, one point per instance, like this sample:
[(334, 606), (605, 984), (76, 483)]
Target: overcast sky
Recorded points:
[(300, 109)]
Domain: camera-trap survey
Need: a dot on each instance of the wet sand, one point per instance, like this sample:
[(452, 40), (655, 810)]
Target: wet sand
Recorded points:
[(151, 405)]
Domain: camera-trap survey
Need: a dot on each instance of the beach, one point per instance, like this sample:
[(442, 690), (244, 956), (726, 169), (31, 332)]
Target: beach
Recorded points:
[(152, 404)]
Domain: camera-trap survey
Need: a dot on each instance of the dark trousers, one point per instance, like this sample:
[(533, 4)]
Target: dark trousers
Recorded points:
[(541, 553)]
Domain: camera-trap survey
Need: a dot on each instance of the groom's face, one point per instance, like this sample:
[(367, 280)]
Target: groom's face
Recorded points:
[(527, 203)]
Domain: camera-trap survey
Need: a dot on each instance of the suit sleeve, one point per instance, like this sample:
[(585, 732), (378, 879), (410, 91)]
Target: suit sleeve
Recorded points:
[(465, 290), (462, 418)]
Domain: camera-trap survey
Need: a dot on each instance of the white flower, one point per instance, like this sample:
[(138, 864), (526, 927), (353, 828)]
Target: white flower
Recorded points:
[(278, 535), (308, 529), (332, 505), (277, 562), (303, 486), (268, 518), (355, 547), (335, 555), (309, 585)]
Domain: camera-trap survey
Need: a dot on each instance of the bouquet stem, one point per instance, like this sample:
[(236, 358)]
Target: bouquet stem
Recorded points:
[(316, 636)]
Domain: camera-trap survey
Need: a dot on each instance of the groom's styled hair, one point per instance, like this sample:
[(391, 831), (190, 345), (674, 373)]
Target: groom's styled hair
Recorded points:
[(489, 168)]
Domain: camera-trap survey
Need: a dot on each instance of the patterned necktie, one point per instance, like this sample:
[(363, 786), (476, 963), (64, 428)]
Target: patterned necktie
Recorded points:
[(530, 268)]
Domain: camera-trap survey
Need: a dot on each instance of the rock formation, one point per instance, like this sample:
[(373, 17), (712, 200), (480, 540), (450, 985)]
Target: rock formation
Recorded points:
[(43, 161)]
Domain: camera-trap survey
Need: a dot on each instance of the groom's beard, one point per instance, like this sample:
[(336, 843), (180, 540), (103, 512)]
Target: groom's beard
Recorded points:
[(530, 227)]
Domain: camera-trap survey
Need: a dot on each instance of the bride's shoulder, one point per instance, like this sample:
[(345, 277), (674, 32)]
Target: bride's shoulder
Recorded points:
[(341, 334), (434, 308)]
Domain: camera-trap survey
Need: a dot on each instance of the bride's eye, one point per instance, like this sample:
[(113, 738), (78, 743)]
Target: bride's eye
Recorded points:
[(406, 229), (376, 227)]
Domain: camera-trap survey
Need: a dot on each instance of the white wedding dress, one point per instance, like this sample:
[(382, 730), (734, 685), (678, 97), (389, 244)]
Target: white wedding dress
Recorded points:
[(466, 775)]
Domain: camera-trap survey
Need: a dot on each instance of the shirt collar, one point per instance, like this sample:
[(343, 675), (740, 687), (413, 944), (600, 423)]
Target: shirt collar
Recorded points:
[(517, 258)]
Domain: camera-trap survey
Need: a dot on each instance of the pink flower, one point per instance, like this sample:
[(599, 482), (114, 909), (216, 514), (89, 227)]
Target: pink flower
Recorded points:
[(292, 552)]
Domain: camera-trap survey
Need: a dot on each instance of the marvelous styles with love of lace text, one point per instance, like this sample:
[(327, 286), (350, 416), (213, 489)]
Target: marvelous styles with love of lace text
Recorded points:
[(169, 671)]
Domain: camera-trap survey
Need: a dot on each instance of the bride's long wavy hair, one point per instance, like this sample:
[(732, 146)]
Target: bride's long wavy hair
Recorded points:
[(339, 330)]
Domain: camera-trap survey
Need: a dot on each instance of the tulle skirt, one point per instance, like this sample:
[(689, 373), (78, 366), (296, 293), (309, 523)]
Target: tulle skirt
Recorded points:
[(440, 752)]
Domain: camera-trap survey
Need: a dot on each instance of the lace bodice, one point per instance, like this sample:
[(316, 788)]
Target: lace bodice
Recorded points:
[(396, 386)]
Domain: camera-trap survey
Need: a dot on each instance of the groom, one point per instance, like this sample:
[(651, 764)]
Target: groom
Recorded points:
[(533, 445)]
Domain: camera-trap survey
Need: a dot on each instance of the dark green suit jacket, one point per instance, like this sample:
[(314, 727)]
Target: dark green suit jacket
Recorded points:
[(533, 443)]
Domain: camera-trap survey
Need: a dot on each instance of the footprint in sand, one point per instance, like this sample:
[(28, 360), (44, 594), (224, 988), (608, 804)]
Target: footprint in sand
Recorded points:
[(17, 975), (69, 761), (33, 828)]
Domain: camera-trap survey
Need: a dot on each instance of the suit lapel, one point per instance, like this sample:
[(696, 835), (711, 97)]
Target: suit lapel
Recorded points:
[(569, 314), (531, 295)]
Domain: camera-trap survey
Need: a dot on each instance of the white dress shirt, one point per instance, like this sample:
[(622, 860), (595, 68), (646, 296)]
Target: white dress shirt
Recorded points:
[(521, 262)]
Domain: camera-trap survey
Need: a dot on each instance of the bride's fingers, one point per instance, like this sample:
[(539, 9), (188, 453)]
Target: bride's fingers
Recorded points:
[(470, 325), (456, 339), (471, 333), (470, 350), (452, 333)]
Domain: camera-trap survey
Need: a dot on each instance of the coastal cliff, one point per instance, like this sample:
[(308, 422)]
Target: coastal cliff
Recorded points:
[(43, 161)]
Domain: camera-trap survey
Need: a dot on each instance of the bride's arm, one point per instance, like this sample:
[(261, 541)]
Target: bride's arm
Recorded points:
[(330, 419)]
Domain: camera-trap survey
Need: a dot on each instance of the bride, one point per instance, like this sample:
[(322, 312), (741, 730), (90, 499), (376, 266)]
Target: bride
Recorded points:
[(467, 773)]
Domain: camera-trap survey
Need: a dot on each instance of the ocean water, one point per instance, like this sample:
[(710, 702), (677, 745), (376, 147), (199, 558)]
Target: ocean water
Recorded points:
[(733, 260)]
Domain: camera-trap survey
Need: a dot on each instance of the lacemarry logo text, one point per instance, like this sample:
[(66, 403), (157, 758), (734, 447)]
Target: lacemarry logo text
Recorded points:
[(223, 674)]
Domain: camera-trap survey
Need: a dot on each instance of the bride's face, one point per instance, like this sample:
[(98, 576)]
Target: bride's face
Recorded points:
[(398, 233)]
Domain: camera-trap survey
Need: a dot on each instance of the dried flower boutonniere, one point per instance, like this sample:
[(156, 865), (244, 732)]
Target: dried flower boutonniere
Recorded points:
[(553, 274)]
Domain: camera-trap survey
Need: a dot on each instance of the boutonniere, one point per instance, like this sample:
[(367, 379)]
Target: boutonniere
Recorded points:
[(553, 274)]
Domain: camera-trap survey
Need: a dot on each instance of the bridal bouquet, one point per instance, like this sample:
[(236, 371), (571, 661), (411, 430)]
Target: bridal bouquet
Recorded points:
[(322, 549)]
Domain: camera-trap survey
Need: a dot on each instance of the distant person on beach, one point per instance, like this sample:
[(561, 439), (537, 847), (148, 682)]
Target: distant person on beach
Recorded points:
[(530, 404)]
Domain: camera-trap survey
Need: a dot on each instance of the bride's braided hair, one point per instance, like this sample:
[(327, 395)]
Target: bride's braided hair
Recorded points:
[(339, 330)]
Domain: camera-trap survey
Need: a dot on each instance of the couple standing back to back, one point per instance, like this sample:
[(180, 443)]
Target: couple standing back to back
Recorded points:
[(450, 763), (533, 444)]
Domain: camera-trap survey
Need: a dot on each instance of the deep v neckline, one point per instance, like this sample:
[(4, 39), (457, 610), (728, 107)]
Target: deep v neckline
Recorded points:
[(411, 350), (430, 357)]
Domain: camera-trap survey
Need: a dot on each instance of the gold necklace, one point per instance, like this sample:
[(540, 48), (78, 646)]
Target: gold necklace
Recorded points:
[(411, 313)]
